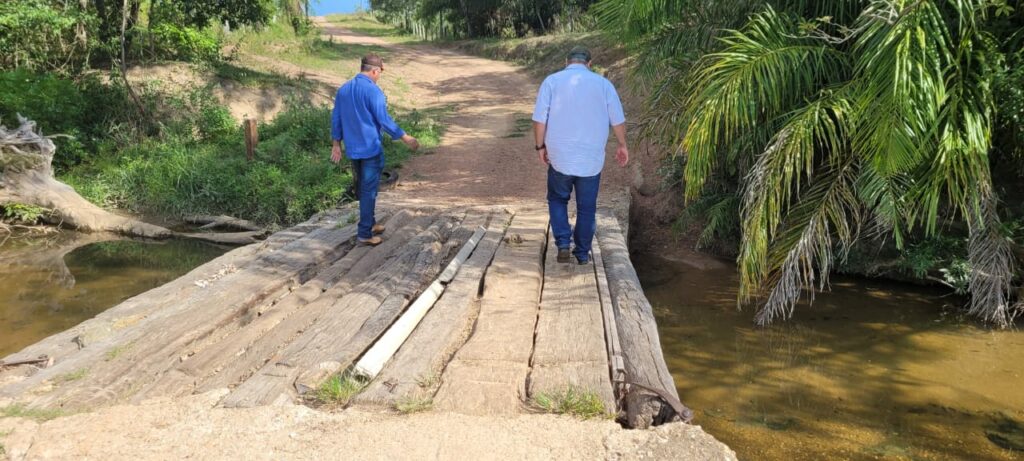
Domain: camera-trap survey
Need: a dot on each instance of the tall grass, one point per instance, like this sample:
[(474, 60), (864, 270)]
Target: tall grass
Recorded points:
[(200, 167)]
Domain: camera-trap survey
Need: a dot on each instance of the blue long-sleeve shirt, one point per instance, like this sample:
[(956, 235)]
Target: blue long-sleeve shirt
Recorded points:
[(360, 114)]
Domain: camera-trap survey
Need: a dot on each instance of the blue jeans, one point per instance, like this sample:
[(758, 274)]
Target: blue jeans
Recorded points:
[(560, 187), (366, 174)]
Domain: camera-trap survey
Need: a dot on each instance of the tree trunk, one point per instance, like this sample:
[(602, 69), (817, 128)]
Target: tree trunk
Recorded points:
[(27, 178)]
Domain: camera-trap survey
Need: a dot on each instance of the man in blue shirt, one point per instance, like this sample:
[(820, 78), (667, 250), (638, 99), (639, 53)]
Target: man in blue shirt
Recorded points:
[(360, 114), (574, 109)]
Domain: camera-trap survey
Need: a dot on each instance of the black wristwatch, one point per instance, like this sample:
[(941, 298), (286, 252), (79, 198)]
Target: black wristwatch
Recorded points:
[(542, 146)]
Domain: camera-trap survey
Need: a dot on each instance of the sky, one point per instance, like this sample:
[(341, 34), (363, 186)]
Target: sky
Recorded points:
[(322, 7)]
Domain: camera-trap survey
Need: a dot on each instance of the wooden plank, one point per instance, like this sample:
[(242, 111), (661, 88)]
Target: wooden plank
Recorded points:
[(414, 371), (254, 357), (336, 339), (121, 366), (488, 374), (616, 365), (131, 311), (426, 267), (638, 331), (569, 349), (227, 349)]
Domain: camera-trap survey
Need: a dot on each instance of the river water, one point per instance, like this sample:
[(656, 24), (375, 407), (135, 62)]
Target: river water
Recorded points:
[(872, 370), (45, 291)]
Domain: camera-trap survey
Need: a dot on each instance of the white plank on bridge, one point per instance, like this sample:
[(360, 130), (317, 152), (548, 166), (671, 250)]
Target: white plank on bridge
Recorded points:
[(488, 374), (412, 373), (339, 336), (225, 353)]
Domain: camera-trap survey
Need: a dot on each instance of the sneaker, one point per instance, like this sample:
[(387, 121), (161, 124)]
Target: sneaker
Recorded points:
[(378, 229), (563, 255), (372, 241), (582, 261)]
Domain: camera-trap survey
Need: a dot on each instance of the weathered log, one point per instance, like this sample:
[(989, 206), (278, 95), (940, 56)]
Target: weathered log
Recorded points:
[(231, 222), (41, 362), (155, 340), (228, 238), (322, 349), (488, 374), (27, 178), (569, 348), (134, 310), (638, 331), (414, 371), (264, 349), (202, 361), (616, 365)]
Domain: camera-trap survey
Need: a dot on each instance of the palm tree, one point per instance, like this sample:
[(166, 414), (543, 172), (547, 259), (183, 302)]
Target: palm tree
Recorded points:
[(872, 121)]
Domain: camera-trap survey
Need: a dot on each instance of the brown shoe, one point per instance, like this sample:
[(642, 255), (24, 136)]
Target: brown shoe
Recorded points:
[(378, 229), (372, 241)]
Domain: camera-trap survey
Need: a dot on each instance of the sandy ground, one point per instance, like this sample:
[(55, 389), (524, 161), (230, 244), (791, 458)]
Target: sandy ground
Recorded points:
[(192, 429), (478, 162)]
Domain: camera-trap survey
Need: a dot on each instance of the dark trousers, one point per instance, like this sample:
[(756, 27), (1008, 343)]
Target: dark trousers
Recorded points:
[(366, 177), (560, 188)]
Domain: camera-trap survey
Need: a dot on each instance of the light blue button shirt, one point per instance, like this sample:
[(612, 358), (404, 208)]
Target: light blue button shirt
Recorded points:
[(578, 106)]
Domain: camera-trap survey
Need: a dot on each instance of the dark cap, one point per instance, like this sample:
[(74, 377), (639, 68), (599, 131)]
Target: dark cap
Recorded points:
[(579, 53)]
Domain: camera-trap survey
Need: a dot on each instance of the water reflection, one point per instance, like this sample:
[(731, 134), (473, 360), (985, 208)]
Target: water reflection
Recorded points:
[(872, 370), (49, 286)]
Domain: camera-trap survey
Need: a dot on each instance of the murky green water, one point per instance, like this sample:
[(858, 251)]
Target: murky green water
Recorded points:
[(872, 370), (45, 288)]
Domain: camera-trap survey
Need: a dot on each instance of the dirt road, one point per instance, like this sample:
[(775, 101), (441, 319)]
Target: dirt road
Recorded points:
[(487, 154)]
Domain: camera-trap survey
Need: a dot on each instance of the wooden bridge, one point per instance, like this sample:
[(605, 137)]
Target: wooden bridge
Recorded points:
[(273, 321)]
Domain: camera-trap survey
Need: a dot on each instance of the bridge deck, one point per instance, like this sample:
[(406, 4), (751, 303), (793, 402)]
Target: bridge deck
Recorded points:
[(274, 321)]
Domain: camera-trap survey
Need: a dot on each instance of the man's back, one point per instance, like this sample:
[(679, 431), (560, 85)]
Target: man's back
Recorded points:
[(578, 106)]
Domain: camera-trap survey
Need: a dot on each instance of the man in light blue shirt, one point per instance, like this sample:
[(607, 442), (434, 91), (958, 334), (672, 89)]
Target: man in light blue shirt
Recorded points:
[(360, 114), (574, 109)]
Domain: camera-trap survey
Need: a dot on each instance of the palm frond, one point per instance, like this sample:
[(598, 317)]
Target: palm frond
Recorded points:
[(827, 214), (991, 269), (774, 183), (763, 72)]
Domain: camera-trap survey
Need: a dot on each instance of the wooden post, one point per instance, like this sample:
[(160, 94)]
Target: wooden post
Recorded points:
[(252, 138)]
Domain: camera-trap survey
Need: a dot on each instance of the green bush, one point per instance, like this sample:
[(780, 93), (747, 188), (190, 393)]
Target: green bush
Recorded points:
[(82, 110), (19, 213), (34, 35), (183, 43), (290, 179), (198, 170)]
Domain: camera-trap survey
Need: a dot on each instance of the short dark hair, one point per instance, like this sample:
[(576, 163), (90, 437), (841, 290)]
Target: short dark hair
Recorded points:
[(579, 53), (370, 61)]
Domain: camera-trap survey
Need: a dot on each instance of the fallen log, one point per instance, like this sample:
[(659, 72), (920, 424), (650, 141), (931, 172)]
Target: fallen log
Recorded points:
[(230, 222), (27, 178), (43, 362), (229, 238)]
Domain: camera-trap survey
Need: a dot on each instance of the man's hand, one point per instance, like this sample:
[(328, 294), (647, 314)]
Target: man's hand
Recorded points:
[(336, 153), (544, 156), (412, 142), (622, 155)]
